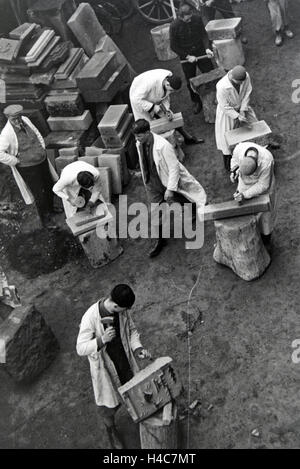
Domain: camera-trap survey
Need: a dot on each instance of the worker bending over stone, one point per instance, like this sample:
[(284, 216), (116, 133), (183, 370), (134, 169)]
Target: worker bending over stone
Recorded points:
[(253, 167), (8, 293), (150, 98), (189, 40), (280, 19), (233, 110), (164, 177), (22, 147), (109, 338), (78, 180)]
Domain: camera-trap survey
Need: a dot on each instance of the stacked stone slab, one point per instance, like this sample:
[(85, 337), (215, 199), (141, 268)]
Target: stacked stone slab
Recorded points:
[(27, 344), (227, 44), (115, 126), (205, 85)]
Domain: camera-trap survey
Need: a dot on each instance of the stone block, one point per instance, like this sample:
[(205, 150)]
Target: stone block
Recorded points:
[(69, 151), (113, 117), (162, 125), (122, 152), (82, 122), (28, 345), (244, 133), (106, 182), (67, 139), (100, 251), (64, 105), (43, 78), (224, 28), (120, 132), (86, 28), (66, 68), (37, 63), (9, 49), (117, 82), (70, 82), (93, 151), (57, 55), (23, 32), (114, 162), (116, 141), (106, 44), (97, 71), (229, 53), (62, 161), (93, 160), (40, 45)]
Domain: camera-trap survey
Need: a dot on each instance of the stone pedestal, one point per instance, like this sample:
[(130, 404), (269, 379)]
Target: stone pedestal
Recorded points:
[(100, 251), (205, 86)]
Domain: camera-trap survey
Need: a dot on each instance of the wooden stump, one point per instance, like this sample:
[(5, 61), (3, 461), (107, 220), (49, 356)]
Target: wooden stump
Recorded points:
[(100, 251), (160, 431), (240, 247), (205, 86)]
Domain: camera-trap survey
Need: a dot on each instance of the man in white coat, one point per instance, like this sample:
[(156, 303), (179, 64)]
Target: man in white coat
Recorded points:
[(150, 98), (280, 19), (23, 149), (233, 110), (109, 338), (164, 177), (253, 166), (78, 179)]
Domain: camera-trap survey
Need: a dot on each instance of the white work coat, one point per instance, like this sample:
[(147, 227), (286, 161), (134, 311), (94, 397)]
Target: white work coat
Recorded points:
[(173, 175), (9, 148), (68, 187), (146, 90), (103, 372), (262, 181), (230, 104)]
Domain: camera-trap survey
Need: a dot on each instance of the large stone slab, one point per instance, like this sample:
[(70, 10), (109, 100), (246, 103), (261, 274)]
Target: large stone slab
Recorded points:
[(229, 28), (122, 152), (119, 81), (113, 117), (38, 62), (40, 46), (81, 122), (27, 344), (229, 53), (70, 82), (245, 133), (163, 124), (121, 130), (22, 32), (64, 105), (106, 44), (9, 49), (97, 71), (114, 162), (86, 28), (65, 139), (106, 182), (66, 68), (233, 209), (62, 161), (57, 55)]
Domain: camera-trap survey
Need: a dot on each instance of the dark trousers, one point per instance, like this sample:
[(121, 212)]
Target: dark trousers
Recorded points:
[(190, 71), (222, 6), (39, 181)]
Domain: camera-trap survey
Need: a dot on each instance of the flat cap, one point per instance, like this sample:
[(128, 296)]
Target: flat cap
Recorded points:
[(13, 110)]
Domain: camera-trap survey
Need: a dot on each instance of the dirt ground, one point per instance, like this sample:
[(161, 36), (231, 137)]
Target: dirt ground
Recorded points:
[(241, 367)]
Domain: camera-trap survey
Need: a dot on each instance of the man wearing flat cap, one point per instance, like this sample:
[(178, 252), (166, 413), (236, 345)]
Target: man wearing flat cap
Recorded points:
[(150, 98), (110, 340), (23, 149), (253, 167), (233, 110)]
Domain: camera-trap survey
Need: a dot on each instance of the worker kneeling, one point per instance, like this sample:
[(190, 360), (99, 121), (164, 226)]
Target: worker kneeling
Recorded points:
[(253, 166)]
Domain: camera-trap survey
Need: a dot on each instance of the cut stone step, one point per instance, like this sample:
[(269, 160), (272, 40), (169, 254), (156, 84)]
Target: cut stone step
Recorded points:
[(97, 71), (119, 81), (82, 122)]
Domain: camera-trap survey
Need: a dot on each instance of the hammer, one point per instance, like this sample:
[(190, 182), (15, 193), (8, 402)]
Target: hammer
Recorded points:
[(201, 57)]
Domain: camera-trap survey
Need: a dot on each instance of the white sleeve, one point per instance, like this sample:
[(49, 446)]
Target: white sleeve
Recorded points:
[(86, 340)]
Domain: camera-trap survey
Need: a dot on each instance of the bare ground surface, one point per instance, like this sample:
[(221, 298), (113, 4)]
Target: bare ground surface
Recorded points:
[(241, 367)]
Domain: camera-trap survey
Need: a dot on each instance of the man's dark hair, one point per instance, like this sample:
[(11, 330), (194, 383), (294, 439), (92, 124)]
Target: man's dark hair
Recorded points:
[(174, 81), (123, 296), (251, 149), (141, 126), (85, 179), (182, 7)]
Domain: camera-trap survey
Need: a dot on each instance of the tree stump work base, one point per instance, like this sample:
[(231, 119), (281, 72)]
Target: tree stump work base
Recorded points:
[(240, 247)]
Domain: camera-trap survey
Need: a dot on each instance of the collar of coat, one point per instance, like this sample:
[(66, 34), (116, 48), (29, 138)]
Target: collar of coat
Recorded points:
[(227, 83)]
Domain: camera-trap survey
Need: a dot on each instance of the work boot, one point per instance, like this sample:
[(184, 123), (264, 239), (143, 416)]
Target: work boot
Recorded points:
[(192, 140), (114, 438), (289, 33), (156, 246), (278, 39), (244, 40)]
